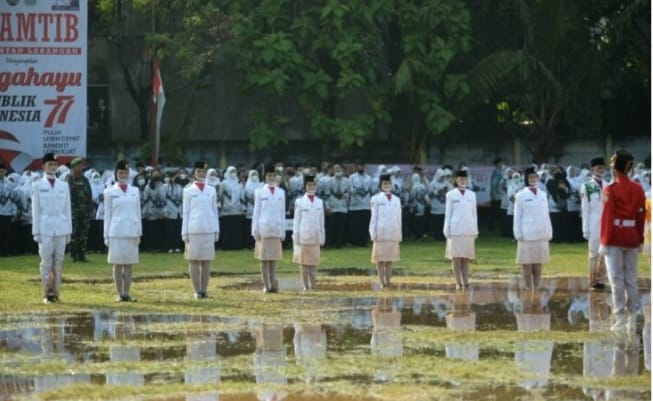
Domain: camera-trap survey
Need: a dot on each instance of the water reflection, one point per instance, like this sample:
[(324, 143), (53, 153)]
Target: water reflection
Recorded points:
[(205, 347), (462, 318), (310, 344), (203, 350), (270, 362), (386, 343), (533, 356)]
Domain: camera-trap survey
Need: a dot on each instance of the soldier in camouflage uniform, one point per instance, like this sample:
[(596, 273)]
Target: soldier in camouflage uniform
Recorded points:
[(81, 203)]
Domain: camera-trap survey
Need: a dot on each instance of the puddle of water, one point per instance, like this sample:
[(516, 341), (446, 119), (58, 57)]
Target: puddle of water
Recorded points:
[(146, 350)]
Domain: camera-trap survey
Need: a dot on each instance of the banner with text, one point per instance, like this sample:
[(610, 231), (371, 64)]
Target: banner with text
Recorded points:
[(43, 48)]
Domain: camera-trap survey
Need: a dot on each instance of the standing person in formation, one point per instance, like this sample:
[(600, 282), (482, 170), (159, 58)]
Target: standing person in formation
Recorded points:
[(337, 202), (251, 185), (51, 226), (308, 233), (532, 229), (622, 233), (438, 188), (359, 205), (418, 200), (385, 230), (200, 229), (122, 229), (268, 227), (591, 206), (460, 228), (232, 212), (7, 213), (81, 203)]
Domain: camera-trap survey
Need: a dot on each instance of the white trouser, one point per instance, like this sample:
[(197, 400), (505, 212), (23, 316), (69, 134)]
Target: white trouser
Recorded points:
[(621, 264), (51, 250)]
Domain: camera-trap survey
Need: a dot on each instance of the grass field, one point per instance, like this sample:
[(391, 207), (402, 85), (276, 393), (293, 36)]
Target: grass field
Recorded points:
[(347, 373), (91, 283)]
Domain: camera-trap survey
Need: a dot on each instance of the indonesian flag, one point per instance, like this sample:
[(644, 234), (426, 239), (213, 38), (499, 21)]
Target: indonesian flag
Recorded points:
[(156, 111)]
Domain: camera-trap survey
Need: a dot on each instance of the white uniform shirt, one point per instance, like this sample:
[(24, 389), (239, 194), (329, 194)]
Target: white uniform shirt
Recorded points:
[(122, 212), (591, 206), (460, 217), (531, 220), (385, 220), (269, 216), (308, 221), (51, 208), (200, 216)]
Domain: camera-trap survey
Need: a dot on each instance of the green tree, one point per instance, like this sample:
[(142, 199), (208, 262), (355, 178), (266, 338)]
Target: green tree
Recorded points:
[(553, 82)]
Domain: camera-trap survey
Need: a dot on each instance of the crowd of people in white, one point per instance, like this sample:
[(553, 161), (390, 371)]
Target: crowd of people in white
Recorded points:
[(345, 188)]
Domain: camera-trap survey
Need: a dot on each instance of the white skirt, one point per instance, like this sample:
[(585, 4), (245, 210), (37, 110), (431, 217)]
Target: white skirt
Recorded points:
[(268, 249), (385, 251), (307, 255), (532, 252), (123, 250), (200, 247), (460, 247)]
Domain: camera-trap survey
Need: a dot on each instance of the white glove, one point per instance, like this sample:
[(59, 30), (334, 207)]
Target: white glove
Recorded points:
[(295, 239), (184, 238), (217, 237), (67, 239), (106, 242), (586, 235), (37, 238), (603, 250)]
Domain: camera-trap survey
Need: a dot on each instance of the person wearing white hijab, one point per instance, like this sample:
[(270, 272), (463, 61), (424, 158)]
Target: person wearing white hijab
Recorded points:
[(251, 185), (232, 212), (438, 188), (97, 214)]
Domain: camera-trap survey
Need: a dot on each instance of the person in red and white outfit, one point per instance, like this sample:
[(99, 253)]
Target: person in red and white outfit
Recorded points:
[(200, 229), (51, 226), (532, 229), (308, 233), (385, 230), (460, 228), (269, 227), (622, 234), (122, 229)]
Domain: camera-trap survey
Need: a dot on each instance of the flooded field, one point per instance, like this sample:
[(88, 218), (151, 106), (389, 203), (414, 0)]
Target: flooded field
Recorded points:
[(347, 341)]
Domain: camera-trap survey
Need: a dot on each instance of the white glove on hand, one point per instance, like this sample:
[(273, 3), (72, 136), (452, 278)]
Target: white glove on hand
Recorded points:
[(217, 237), (603, 250), (37, 239), (586, 235), (106, 242), (67, 239), (184, 238)]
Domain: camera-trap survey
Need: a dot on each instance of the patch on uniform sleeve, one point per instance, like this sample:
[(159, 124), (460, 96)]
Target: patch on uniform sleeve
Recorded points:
[(606, 198)]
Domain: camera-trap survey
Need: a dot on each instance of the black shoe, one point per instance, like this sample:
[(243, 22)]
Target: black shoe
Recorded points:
[(204, 295), (273, 290), (598, 286), (55, 298), (127, 298), (47, 300)]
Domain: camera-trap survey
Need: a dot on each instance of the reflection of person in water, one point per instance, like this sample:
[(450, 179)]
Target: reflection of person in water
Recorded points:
[(204, 370), (53, 347), (386, 342), (125, 327), (461, 318), (270, 362), (310, 350), (534, 357)]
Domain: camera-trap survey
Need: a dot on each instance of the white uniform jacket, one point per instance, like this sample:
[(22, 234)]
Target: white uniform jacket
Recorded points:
[(269, 216), (361, 190), (591, 206), (122, 212), (308, 221), (531, 220), (385, 220), (460, 217), (51, 208), (199, 213)]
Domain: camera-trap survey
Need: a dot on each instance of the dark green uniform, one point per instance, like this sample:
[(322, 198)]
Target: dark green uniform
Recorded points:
[(81, 206)]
